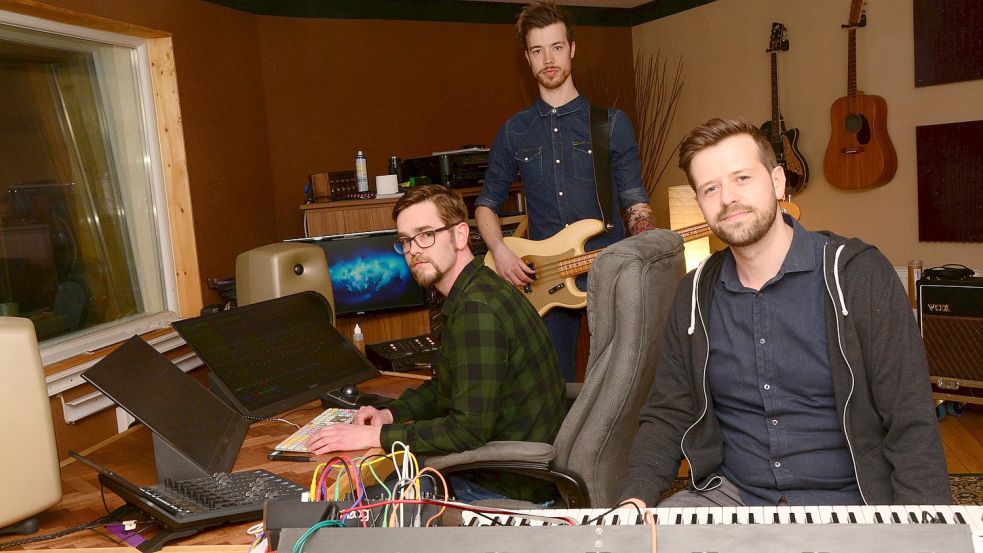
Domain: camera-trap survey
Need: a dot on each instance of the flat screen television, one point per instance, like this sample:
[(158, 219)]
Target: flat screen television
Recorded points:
[(367, 274)]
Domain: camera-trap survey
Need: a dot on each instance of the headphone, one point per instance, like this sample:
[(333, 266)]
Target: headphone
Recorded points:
[(949, 271)]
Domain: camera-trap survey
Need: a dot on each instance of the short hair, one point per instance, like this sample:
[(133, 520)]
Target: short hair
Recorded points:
[(715, 131), (450, 204), (541, 14)]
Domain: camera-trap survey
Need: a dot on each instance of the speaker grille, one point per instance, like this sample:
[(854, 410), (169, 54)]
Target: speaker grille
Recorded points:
[(954, 346)]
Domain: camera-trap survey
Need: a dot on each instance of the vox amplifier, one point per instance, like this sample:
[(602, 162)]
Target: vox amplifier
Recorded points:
[(950, 314)]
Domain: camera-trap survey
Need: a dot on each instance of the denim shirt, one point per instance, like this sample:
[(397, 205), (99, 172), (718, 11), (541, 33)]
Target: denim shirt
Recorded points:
[(550, 149)]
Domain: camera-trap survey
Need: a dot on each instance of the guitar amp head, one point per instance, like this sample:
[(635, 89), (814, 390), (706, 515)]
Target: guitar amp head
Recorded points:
[(950, 314)]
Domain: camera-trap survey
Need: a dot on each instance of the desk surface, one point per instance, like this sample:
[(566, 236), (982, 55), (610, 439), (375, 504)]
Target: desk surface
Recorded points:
[(131, 454)]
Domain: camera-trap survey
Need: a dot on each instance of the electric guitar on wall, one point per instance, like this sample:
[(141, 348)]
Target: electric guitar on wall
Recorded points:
[(784, 141), (558, 260), (859, 154)]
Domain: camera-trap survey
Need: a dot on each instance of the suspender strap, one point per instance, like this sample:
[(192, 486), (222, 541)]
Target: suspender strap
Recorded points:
[(600, 139)]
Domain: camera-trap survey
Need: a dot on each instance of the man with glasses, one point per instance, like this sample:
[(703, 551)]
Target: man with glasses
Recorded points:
[(496, 373)]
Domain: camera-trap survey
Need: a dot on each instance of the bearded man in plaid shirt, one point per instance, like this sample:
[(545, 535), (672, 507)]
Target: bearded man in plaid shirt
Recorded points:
[(497, 374)]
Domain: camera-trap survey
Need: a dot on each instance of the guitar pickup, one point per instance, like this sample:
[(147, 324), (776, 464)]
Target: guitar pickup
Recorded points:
[(556, 288)]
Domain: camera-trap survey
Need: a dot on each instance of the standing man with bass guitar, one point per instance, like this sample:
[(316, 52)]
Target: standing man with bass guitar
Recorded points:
[(549, 144)]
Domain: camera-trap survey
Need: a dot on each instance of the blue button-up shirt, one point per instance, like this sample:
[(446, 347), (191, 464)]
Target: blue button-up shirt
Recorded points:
[(772, 387), (550, 148)]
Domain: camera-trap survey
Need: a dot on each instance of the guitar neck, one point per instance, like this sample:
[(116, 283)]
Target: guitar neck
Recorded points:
[(776, 130), (580, 264), (851, 75)]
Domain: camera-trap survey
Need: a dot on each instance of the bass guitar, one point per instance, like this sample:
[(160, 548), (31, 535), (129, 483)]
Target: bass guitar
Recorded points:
[(784, 141), (860, 153), (558, 260)]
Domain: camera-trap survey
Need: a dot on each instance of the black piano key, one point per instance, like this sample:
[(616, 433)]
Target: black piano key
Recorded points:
[(750, 518), (809, 518), (913, 517), (639, 520), (474, 522), (791, 518), (852, 517), (679, 518), (585, 519), (836, 519), (775, 519), (615, 520), (941, 517), (896, 518), (733, 519), (509, 521), (959, 518), (694, 519), (525, 522), (878, 519), (709, 518), (928, 518)]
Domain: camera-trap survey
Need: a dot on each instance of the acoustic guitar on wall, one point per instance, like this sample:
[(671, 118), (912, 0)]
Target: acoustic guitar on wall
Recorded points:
[(784, 141), (860, 153)]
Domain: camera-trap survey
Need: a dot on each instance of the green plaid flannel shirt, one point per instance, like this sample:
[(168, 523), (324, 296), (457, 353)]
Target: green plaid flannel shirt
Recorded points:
[(497, 379)]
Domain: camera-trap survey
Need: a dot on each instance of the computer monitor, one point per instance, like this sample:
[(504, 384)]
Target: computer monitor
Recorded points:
[(268, 357), (195, 434), (367, 274)]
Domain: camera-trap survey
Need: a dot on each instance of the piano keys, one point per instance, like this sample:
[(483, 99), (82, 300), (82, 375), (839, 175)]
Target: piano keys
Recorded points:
[(832, 529)]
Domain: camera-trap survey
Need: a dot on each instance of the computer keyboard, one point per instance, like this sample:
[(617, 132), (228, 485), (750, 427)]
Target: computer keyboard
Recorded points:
[(221, 495), (298, 440)]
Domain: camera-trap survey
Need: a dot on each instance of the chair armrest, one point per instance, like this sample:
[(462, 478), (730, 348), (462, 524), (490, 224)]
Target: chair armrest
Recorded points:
[(528, 452), (529, 459)]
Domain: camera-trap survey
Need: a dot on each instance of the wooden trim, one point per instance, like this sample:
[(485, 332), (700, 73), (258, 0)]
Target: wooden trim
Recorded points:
[(34, 8), (173, 160)]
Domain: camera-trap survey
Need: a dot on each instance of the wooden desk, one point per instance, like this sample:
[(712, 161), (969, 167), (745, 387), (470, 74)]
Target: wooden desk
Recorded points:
[(131, 455)]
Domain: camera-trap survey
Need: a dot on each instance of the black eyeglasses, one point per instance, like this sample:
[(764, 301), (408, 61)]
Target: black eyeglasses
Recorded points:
[(423, 239)]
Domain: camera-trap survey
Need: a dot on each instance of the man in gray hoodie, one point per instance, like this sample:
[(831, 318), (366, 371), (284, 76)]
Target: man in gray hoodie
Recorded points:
[(791, 371)]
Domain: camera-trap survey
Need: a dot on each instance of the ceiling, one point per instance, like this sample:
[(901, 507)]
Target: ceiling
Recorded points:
[(589, 3)]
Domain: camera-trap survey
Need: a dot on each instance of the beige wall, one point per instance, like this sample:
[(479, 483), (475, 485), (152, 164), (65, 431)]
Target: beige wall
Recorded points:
[(727, 73)]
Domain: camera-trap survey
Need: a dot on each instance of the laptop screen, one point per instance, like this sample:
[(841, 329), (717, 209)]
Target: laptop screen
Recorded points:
[(179, 410), (271, 356)]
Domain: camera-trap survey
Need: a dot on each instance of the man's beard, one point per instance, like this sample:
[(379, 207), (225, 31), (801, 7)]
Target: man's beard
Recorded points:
[(427, 279), (749, 232), (555, 82)]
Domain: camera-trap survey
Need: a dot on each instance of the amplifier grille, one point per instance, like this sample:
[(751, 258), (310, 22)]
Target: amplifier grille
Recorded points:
[(954, 346)]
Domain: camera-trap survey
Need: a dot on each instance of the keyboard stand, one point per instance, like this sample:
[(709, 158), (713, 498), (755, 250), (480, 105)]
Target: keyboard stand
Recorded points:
[(164, 536)]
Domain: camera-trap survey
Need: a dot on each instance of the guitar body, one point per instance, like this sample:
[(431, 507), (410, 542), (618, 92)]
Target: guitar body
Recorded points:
[(556, 265), (790, 158), (860, 153)]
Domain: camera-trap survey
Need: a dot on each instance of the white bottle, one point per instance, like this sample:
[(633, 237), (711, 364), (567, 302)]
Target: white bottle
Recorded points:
[(358, 339), (361, 172)]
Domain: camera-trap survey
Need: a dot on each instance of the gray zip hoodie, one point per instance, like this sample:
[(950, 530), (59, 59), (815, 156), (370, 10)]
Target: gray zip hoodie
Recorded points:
[(880, 381)]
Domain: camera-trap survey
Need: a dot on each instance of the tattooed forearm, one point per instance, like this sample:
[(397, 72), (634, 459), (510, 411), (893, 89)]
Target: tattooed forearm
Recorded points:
[(639, 219)]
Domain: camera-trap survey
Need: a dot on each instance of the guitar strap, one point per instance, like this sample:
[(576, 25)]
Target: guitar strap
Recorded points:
[(600, 139)]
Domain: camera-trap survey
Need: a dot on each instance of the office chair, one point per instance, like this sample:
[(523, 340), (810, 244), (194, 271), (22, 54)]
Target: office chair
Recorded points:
[(30, 480), (629, 290), (282, 269)]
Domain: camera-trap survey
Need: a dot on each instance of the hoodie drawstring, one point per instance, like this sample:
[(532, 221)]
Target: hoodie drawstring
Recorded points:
[(836, 278)]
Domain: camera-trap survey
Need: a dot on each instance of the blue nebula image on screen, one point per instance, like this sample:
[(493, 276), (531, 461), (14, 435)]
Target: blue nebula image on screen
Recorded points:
[(368, 275)]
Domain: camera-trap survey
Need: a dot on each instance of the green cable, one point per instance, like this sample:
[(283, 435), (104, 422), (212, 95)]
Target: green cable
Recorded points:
[(299, 546)]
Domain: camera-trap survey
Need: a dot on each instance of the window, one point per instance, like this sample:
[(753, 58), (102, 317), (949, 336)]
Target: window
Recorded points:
[(86, 242)]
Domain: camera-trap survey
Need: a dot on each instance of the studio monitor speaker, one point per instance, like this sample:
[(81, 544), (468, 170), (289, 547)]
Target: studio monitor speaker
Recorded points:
[(30, 481), (282, 269)]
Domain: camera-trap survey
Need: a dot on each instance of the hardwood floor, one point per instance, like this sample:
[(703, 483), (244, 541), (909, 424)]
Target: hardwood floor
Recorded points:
[(962, 438)]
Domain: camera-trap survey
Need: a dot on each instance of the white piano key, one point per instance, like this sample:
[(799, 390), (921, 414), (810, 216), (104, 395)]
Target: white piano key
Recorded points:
[(825, 514), (727, 515)]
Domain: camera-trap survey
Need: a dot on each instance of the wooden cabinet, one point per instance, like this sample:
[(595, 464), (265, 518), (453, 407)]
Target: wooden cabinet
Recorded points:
[(348, 216)]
